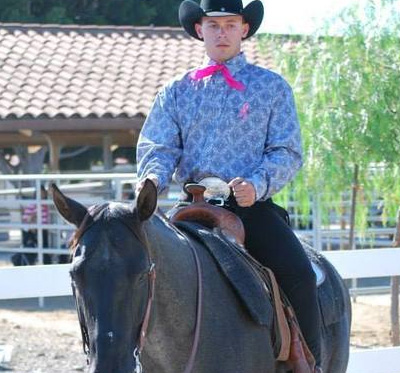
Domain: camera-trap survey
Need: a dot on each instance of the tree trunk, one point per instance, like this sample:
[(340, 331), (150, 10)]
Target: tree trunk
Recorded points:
[(353, 220), (353, 208), (394, 306), (343, 224)]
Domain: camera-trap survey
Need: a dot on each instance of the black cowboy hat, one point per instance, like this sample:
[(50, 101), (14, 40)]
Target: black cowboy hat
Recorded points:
[(190, 13)]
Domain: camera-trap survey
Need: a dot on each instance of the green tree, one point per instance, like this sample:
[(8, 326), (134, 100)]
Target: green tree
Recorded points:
[(16, 11), (166, 12), (122, 12), (347, 94), (57, 15), (98, 12)]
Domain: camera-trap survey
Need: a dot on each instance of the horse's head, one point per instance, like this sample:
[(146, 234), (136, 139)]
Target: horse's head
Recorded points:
[(110, 275)]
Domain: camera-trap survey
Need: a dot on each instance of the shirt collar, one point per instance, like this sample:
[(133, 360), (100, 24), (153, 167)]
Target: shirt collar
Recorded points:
[(234, 65)]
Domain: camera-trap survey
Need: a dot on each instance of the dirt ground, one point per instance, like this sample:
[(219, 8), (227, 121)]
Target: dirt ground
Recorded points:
[(48, 340), (44, 340)]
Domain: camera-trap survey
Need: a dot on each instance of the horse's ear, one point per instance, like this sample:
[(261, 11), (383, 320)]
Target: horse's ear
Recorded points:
[(146, 202), (70, 210)]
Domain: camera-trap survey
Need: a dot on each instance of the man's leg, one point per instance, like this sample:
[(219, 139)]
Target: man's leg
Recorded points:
[(272, 242)]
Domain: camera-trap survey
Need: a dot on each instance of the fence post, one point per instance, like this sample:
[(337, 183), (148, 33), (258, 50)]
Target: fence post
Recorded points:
[(39, 228)]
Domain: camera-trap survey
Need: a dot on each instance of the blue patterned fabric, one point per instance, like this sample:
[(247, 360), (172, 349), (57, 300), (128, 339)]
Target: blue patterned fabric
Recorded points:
[(199, 128)]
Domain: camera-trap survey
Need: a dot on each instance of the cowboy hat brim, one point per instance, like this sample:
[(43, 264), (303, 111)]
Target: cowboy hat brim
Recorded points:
[(190, 13)]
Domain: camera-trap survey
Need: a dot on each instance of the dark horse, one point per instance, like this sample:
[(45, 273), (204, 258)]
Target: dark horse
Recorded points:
[(112, 273)]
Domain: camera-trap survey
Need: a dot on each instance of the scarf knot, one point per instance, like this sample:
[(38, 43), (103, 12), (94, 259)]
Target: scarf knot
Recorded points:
[(212, 69)]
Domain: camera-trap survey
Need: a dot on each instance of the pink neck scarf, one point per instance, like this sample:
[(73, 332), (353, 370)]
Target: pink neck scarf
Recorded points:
[(212, 69)]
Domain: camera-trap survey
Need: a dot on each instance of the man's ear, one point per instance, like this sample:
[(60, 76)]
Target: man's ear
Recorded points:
[(199, 29), (245, 30)]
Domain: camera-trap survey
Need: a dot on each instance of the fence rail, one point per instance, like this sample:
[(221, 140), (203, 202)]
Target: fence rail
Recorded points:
[(90, 188), (53, 280)]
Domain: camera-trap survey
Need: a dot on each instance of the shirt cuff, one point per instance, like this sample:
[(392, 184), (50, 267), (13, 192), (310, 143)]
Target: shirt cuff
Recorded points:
[(260, 185)]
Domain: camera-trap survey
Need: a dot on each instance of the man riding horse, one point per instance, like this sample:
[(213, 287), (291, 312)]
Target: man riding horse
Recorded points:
[(236, 121)]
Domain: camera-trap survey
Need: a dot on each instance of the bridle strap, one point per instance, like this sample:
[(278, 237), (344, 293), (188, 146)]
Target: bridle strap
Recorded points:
[(199, 307), (190, 363), (146, 319)]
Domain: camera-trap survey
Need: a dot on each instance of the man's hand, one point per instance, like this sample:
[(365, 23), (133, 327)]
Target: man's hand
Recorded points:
[(243, 191)]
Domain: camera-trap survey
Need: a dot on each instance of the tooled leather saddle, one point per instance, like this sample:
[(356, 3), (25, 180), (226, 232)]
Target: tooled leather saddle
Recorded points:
[(213, 217)]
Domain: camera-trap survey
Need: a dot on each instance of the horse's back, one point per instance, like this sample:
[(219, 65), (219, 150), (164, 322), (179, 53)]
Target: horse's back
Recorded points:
[(230, 339)]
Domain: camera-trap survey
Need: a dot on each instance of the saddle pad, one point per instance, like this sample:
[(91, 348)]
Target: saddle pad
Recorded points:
[(319, 273), (331, 292), (331, 296), (246, 283)]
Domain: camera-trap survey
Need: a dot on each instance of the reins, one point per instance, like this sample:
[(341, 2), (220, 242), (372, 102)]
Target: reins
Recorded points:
[(146, 320), (199, 307)]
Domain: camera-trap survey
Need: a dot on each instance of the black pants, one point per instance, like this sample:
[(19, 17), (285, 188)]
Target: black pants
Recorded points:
[(271, 241)]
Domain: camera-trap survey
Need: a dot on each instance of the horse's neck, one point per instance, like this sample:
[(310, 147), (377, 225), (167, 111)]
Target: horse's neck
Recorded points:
[(174, 308), (176, 272)]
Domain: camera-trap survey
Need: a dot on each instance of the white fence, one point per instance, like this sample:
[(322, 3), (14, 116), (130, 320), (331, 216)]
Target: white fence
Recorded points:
[(53, 280), (91, 188)]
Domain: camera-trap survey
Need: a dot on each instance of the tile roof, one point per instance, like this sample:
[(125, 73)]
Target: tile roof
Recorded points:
[(53, 71)]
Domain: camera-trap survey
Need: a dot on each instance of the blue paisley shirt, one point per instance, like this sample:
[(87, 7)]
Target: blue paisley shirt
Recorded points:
[(200, 128)]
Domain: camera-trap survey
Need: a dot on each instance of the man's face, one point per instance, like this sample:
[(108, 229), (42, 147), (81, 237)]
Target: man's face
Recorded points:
[(222, 36)]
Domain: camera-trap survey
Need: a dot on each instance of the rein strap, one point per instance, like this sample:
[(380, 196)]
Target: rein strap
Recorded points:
[(199, 308), (146, 320)]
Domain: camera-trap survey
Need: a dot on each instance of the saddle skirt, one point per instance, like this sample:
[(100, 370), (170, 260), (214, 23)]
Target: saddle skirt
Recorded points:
[(248, 285)]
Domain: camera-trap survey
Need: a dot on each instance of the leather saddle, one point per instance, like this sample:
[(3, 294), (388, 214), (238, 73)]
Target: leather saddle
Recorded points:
[(210, 216), (226, 222)]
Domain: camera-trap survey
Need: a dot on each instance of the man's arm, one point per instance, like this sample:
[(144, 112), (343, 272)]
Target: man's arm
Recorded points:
[(283, 151), (159, 146)]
